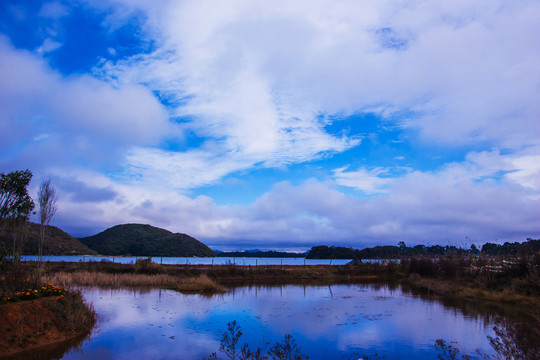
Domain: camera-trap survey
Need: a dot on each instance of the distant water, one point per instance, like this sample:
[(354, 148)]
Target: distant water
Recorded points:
[(327, 322), (195, 260)]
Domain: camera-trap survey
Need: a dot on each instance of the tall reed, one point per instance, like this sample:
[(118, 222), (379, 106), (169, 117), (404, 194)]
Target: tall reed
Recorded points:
[(85, 278), (98, 279)]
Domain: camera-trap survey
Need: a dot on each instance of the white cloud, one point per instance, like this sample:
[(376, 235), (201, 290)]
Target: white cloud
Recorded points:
[(48, 46), (256, 75), (467, 200), (526, 171), (256, 80), (180, 171), (518, 168), (76, 119), (368, 181)]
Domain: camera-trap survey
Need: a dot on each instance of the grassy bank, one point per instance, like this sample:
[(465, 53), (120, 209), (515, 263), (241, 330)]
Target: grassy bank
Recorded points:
[(469, 290), (515, 281), (223, 272), (199, 278), (510, 283), (30, 324), (190, 278)]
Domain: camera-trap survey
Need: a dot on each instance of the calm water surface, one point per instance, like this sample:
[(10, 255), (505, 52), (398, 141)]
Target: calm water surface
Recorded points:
[(328, 322)]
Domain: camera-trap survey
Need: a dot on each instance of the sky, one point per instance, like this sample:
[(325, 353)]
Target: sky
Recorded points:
[(279, 124)]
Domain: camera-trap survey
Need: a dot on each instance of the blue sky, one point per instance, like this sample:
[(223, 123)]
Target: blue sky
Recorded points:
[(284, 125)]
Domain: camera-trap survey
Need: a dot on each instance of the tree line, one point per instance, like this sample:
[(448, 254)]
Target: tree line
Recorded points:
[(528, 247)]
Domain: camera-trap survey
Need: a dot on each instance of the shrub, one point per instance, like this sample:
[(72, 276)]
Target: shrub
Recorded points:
[(422, 267), (392, 268), (146, 266), (448, 268)]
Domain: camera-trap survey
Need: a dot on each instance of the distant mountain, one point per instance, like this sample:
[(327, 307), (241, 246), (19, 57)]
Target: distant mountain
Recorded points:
[(145, 240), (57, 242), (260, 254)]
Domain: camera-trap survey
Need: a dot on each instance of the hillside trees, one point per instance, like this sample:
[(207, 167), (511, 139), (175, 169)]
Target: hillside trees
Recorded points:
[(16, 206), (145, 240), (15, 202)]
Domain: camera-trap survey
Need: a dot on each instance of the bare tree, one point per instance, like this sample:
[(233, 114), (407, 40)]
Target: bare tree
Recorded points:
[(21, 229), (47, 208)]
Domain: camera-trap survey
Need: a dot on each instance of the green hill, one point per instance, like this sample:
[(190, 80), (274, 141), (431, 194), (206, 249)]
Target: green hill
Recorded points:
[(57, 242), (145, 240)]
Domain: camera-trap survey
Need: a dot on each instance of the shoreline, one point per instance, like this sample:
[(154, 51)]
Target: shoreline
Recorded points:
[(43, 323), (464, 291), (209, 280)]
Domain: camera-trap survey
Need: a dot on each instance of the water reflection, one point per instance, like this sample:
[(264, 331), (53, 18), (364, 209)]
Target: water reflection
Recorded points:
[(54, 351), (327, 322)]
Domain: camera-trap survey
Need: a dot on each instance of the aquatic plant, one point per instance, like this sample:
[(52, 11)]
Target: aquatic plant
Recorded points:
[(515, 340), (358, 356), (449, 351), (287, 349), (512, 341)]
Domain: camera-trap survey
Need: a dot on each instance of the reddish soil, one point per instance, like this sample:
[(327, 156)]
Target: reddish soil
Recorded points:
[(29, 325)]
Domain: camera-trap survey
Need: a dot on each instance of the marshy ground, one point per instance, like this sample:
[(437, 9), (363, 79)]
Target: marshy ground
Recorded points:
[(510, 284)]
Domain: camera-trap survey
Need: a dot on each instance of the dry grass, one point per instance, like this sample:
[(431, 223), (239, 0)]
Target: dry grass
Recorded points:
[(192, 284), (85, 278), (201, 283)]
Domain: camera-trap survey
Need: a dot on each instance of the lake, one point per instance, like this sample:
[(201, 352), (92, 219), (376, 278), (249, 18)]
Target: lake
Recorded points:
[(327, 322), (194, 260)]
